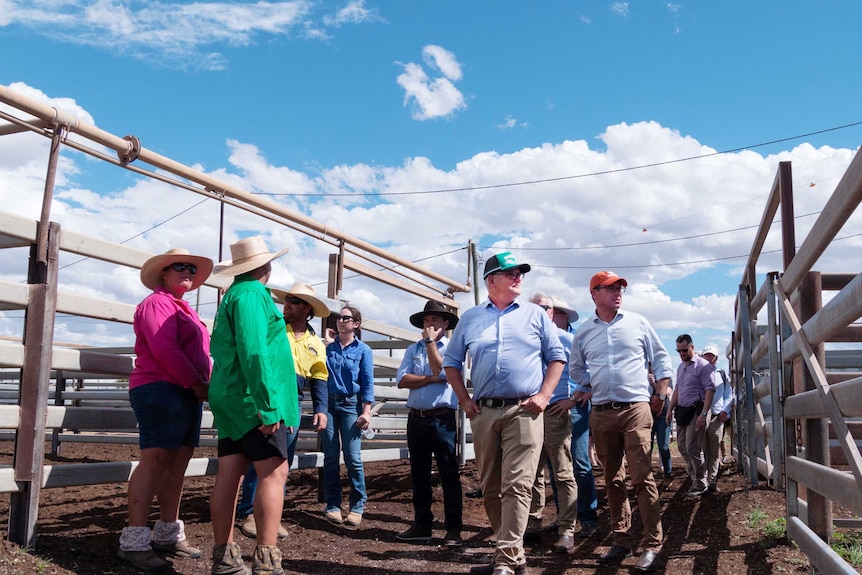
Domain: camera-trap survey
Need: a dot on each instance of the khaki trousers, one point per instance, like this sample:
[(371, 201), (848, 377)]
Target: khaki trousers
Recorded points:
[(507, 442), (714, 431), (691, 444), (558, 448), (626, 432)]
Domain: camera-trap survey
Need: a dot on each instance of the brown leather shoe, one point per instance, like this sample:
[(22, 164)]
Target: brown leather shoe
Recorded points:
[(565, 544)]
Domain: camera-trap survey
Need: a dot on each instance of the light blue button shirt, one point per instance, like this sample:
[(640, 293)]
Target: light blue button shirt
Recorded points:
[(563, 389), (508, 348), (433, 395), (724, 395), (614, 358)]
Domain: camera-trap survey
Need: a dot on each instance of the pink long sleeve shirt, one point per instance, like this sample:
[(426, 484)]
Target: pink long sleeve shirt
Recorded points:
[(172, 343)]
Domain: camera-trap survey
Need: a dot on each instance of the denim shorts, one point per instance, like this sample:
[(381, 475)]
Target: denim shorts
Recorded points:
[(255, 445), (169, 416)]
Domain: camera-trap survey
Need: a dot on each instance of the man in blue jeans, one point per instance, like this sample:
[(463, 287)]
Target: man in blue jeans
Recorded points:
[(431, 425)]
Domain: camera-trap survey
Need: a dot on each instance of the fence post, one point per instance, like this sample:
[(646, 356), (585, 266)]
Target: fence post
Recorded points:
[(748, 382), (33, 393), (817, 448), (775, 390)]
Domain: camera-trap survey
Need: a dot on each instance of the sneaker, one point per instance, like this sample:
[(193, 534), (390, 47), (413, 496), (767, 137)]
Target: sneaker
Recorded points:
[(178, 549), (353, 520), (587, 531), (144, 561), (267, 560), (415, 533), (334, 517), (227, 560), (453, 538), (713, 488)]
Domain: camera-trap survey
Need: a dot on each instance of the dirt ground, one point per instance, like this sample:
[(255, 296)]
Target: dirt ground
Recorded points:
[(78, 529)]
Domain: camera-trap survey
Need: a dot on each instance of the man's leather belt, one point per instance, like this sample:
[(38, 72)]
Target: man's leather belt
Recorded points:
[(614, 405), (498, 402), (436, 412)]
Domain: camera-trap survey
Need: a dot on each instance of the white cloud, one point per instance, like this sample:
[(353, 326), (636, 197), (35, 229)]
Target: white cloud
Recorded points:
[(189, 35), (354, 12), (432, 98), (620, 8), (585, 20), (699, 216)]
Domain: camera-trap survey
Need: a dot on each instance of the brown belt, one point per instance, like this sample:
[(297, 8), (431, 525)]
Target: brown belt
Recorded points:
[(436, 412)]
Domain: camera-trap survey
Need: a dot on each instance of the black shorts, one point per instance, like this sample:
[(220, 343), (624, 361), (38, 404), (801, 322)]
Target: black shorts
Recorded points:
[(255, 445)]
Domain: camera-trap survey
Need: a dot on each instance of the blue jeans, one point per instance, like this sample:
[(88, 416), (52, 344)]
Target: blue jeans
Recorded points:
[(587, 498), (661, 435), (341, 436), (249, 482), (427, 437)]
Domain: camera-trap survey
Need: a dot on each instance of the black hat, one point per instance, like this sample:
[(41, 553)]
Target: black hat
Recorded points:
[(502, 262), (434, 307)]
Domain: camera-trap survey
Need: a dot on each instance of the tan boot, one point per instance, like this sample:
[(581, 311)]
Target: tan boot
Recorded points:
[(227, 560), (267, 561)]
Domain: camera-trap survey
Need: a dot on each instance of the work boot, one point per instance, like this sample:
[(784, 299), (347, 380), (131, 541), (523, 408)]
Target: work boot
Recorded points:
[(144, 561), (227, 560), (267, 560)]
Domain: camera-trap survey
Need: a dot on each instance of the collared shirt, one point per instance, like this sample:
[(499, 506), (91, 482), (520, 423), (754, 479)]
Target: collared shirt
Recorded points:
[(693, 379), (171, 342), (508, 348), (614, 358), (724, 397), (253, 379), (566, 386), (309, 358), (351, 369), (433, 395)]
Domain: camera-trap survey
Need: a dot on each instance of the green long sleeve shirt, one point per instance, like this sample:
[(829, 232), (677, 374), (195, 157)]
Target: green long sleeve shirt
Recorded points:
[(253, 379)]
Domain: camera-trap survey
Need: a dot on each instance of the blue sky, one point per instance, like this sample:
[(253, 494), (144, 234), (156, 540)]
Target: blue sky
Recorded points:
[(385, 97)]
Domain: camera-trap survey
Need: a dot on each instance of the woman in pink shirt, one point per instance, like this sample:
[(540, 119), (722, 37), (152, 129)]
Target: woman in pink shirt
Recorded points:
[(166, 390)]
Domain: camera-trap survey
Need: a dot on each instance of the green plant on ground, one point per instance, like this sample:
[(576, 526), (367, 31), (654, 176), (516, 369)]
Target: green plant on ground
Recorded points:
[(755, 517), (849, 547), (775, 529)]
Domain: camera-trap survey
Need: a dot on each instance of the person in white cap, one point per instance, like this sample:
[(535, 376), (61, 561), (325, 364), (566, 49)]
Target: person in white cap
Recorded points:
[(722, 404), (253, 399)]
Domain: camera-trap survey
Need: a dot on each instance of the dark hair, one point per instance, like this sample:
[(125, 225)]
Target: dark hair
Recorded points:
[(684, 338), (357, 315)]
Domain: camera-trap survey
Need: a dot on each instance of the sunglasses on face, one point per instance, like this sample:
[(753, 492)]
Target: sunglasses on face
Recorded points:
[(546, 307), (178, 267), (683, 350), (294, 300), (346, 318)]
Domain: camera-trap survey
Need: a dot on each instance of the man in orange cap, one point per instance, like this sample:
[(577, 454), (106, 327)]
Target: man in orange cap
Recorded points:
[(610, 356)]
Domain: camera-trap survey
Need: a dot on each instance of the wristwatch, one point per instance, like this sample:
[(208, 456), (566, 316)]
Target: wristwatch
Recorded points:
[(427, 340), (703, 413), (662, 396)]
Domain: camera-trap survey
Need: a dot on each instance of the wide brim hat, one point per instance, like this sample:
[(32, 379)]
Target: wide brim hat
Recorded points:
[(246, 255), (434, 307), (151, 271), (307, 294), (561, 305), (502, 262)]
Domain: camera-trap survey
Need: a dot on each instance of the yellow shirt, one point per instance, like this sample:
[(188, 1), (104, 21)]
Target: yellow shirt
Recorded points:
[(309, 355)]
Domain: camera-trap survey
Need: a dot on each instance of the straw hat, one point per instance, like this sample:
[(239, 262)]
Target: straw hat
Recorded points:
[(246, 255), (307, 294), (151, 271)]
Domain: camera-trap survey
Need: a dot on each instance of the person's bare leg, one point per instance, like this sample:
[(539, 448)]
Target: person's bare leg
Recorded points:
[(269, 499), (231, 468), (145, 483), (170, 489)]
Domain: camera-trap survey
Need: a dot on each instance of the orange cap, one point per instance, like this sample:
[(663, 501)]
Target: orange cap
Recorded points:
[(606, 278)]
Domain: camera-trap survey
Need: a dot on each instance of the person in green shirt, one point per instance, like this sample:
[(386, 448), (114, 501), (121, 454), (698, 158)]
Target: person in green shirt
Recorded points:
[(253, 398)]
